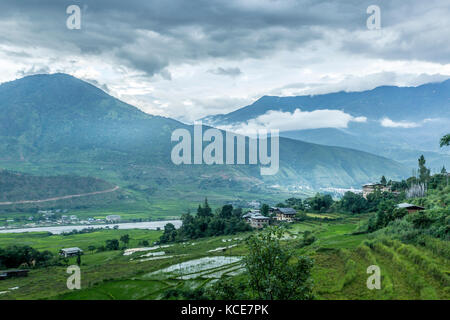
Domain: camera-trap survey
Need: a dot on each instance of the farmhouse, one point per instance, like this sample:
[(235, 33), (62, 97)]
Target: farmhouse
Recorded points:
[(255, 219), (284, 214), (259, 221), (5, 274), (372, 187), (70, 252), (410, 207)]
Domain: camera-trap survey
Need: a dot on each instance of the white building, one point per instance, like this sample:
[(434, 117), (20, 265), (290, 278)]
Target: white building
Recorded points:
[(70, 252), (113, 218), (256, 220)]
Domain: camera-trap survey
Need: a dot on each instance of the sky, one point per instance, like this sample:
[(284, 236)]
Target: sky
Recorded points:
[(189, 59)]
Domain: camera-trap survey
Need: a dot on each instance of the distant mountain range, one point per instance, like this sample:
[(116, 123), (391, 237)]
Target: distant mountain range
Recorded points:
[(414, 120), (58, 124)]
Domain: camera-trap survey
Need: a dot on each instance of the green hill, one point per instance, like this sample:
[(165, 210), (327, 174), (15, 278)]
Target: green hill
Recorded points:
[(18, 186), (30, 191), (58, 124)]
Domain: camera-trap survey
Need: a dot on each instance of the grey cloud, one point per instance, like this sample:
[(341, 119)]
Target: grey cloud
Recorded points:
[(360, 83), (96, 83), (410, 30), (204, 106), (33, 70), (149, 36), (165, 74), (227, 28), (17, 54), (232, 72)]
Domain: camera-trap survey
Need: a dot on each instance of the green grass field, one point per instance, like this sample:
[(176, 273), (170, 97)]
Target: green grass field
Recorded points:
[(341, 260)]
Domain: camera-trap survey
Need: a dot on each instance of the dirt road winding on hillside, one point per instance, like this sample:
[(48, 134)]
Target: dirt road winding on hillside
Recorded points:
[(60, 198)]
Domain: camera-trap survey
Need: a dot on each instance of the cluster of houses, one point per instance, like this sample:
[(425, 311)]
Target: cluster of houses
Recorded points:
[(49, 218), (257, 220), (372, 187), (55, 216), (53, 211)]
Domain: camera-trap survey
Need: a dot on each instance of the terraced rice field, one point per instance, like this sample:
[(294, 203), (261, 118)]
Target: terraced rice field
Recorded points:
[(407, 272), (192, 273), (207, 267)]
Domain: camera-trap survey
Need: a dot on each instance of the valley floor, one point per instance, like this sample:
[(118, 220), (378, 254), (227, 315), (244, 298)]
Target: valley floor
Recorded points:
[(340, 268)]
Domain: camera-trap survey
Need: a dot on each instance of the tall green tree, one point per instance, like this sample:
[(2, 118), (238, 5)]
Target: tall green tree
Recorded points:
[(226, 212), (112, 244), (445, 140), (265, 209), (354, 203), (424, 172), (169, 234), (204, 211), (275, 271), (383, 180), (125, 239), (14, 256), (320, 203)]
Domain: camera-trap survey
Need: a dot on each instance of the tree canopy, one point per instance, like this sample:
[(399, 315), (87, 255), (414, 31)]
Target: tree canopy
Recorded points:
[(275, 271), (226, 220), (445, 140)]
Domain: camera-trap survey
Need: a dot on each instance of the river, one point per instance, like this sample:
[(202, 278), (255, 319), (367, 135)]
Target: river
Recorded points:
[(150, 225)]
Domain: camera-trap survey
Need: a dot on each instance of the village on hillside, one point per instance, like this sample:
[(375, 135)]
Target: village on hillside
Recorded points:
[(276, 215)]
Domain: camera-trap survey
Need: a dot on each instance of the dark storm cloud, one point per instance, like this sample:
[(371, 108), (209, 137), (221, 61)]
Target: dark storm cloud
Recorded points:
[(151, 35)]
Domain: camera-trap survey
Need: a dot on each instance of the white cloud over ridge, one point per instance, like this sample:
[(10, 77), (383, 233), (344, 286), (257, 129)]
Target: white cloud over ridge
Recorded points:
[(297, 120), (388, 123)]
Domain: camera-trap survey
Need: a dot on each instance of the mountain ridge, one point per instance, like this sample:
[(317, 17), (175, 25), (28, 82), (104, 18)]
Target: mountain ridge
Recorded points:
[(270, 98), (60, 124), (401, 123)]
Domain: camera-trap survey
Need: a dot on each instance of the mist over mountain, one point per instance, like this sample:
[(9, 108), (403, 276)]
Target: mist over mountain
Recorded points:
[(400, 123), (58, 124)]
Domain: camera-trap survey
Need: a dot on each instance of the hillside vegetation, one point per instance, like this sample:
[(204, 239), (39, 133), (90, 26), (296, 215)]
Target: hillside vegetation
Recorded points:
[(411, 250), (19, 191), (18, 186), (57, 124)]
